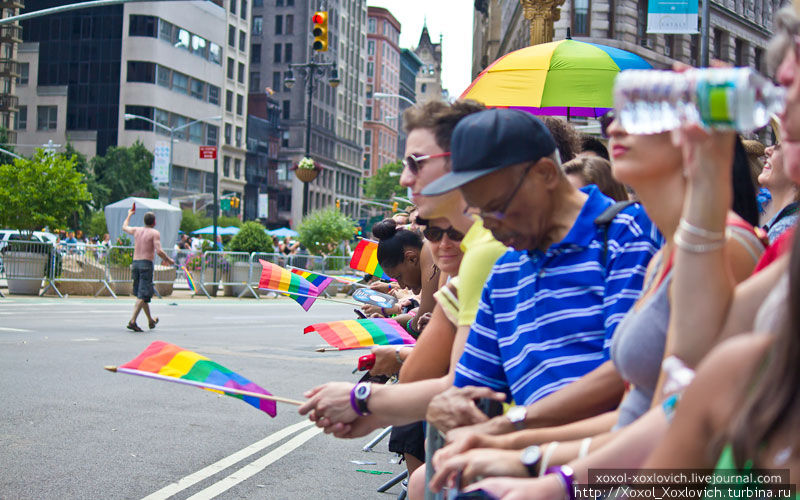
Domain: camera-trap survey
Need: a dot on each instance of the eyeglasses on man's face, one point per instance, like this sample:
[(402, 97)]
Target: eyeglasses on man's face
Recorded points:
[(414, 162), (500, 213)]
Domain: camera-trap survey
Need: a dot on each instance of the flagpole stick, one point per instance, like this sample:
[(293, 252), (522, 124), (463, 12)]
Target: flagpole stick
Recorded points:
[(229, 390), (340, 280), (285, 293)]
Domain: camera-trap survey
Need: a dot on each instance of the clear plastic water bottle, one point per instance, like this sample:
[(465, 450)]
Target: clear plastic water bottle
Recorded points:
[(653, 101)]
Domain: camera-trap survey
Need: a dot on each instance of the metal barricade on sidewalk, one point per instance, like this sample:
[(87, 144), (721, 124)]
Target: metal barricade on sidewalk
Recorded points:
[(80, 269), (253, 279), (236, 282), (118, 266), (26, 264)]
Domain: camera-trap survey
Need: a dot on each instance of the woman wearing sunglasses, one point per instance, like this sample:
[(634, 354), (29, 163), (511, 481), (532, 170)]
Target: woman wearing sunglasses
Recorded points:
[(653, 166)]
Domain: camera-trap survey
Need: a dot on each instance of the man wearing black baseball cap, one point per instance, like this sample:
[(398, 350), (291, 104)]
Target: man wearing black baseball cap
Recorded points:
[(552, 302)]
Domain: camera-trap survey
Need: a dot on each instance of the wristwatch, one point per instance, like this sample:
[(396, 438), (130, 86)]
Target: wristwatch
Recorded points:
[(361, 394), (516, 415), (530, 458)]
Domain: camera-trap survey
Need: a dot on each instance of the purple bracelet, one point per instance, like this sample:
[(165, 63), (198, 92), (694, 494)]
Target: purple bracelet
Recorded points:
[(353, 403), (565, 475)]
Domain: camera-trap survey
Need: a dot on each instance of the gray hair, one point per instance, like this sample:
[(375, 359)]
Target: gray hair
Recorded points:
[(787, 26)]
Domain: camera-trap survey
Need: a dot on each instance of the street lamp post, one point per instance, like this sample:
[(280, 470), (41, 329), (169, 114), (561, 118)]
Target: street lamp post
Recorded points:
[(129, 116), (310, 70), (382, 95)]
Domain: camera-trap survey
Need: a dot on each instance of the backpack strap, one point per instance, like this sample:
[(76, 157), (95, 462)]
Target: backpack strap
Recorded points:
[(604, 220)]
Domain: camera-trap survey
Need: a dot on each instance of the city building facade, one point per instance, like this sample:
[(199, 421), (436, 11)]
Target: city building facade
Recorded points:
[(429, 77), (409, 67), (281, 35), (264, 134), (383, 76), (10, 70)]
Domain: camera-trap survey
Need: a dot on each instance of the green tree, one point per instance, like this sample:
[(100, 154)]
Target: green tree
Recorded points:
[(192, 221), (42, 191), (83, 218), (125, 171), (97, 224), (251, 238), (5, 143), (227, 220), (323, 230), (382, 185)]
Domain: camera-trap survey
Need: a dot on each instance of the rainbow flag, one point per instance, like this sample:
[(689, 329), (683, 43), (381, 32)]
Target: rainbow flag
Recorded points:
[(278, 279), (320, 281), (354, 333), (189, 279), (365, 258), (168, 360)]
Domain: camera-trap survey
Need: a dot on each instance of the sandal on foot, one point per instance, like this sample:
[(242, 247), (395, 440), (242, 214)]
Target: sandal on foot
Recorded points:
[(133, 326), (152, 324)]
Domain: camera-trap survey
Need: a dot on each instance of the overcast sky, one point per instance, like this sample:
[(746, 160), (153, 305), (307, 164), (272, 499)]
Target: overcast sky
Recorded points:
[(452, 19)]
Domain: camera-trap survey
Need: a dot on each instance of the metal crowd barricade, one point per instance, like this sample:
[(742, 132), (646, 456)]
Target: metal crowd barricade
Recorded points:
[(118, 261), (80, 269), (237, 281), (253, 279), (26, 264)]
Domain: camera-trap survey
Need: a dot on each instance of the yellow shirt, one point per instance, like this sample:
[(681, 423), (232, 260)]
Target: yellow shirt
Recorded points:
[(481, 251)]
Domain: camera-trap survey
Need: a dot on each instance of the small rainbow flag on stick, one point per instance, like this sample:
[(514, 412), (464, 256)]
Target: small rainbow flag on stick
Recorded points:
[(365, 258), (170, 363), (293, 285), (320, 281), (189, 279), (355, 333)]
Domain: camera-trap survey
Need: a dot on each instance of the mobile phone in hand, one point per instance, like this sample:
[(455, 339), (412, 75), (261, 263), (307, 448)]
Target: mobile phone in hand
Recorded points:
[(360, 313)]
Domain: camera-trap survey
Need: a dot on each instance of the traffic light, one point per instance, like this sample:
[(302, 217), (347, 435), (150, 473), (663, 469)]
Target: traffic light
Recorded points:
[(320, 30), (394, 206), (235, 202), (358, 231), (338, 204)]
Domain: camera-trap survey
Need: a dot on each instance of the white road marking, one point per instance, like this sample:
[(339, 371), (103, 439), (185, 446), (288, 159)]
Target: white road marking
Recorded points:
[(7, 329), (226, 462), (255, 467), (87, 339)]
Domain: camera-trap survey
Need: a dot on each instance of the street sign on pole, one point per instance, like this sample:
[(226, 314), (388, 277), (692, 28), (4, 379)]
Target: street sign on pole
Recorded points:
[(161, 162), (208, 152)]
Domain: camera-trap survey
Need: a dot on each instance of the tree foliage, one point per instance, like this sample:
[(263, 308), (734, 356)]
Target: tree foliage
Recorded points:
[(251, 238), (97, 224), (192, 221), (124, 171), (383, 186), (323, 230), (42, 191)]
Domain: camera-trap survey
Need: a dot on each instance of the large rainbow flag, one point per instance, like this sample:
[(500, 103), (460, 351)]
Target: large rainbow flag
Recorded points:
[(168, 360), (354, 333), (293, 285), (365, 258)]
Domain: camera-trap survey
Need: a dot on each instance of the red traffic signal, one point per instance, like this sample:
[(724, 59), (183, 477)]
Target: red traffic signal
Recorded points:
[(320, 31)]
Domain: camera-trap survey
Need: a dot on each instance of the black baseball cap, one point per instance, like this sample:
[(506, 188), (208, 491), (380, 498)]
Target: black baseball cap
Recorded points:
[(489, 140)]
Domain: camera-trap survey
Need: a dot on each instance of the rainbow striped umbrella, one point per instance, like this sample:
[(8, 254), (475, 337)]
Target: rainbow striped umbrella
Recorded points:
[(564, 78)]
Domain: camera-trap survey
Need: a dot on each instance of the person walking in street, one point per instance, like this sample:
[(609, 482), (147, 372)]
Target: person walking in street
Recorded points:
[(147, 243)]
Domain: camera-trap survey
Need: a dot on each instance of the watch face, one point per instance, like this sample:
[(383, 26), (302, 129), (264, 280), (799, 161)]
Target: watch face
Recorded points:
[(531, 455), (362, 391), (516, 413)]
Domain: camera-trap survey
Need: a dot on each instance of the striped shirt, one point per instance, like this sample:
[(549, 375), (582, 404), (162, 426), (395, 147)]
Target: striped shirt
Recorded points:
[(547, 318)]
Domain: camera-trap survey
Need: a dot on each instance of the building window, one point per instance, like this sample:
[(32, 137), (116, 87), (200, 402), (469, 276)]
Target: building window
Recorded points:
[(240, 73), (229, 101), (211, 135), (423, 88), (243, 11), (739, 52), (199, 46), (242, 40), (258, 3), (233, 6), (164, 76), (180, 82), (231, 68), (24, 69), (580, 17), (165, 30), (641, 23), (46, 117), (143, 26), (669, 45), (694, 58), (255, 53), (276, 53), (289, 24), (22, 118), (370, 69), (286, 109), (279, 25), (368, 113), (196, 133), (372, 25), (258, 24), (228, 133), (287, 53), (238, 137), (758, 59), (198, 89), (215, 53), (213, 94), (368, 138), (718, 44), (277, 85), (239, 104), (255, 81), (138, 71), (371, 48), (226, 166), (231, 36), (237, 168)]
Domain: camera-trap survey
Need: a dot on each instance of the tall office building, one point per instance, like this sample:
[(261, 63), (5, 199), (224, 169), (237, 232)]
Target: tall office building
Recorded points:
[(409, 67), (154, 72), (383, 75), (281, 36)]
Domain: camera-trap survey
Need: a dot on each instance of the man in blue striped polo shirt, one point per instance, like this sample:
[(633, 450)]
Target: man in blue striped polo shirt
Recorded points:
[(552, 302)]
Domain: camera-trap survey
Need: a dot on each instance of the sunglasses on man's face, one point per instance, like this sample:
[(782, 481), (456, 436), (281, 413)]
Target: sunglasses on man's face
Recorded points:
[(605, 122), (414, 163), (435, 234)]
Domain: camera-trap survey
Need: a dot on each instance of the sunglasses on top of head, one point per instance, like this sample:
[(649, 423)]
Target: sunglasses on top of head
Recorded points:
[(414, 162), (434, 234), (605, 122)]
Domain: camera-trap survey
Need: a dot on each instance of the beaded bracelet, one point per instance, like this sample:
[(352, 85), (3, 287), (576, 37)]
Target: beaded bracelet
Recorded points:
[(409, 328)]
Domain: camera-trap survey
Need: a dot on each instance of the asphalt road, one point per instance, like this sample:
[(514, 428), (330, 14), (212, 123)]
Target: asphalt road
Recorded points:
[(71, 430)]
